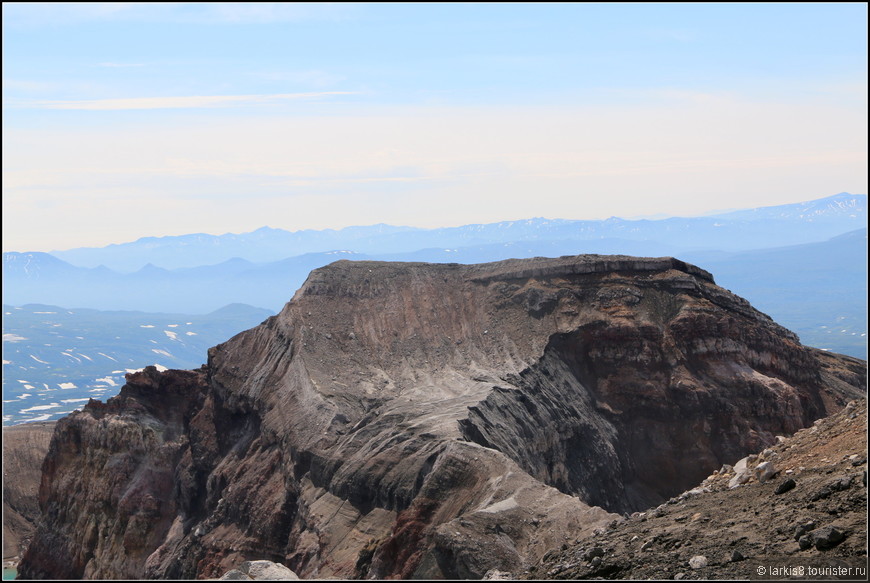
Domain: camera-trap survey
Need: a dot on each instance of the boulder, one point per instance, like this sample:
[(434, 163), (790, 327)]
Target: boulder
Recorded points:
[(764, 471), (785, 486), (698, 562), (822, 538)]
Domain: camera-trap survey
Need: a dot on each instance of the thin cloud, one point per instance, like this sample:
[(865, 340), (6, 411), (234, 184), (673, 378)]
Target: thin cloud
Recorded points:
[(35, 14), (121, 64), (185, 102)]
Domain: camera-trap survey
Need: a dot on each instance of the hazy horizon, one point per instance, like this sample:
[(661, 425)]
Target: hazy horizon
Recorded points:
[(130, 120), (644, 217)]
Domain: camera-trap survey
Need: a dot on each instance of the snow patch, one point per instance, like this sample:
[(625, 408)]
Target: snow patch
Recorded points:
[(40, 408), (39, 418)]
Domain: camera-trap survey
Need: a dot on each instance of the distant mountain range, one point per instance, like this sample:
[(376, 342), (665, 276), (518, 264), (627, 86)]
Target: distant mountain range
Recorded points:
[(804, 264), (744, 230), (817, 289)]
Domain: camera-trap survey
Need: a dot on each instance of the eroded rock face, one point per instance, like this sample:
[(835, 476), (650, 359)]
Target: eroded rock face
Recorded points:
[(24, 448), (430, 421), (107, 491)]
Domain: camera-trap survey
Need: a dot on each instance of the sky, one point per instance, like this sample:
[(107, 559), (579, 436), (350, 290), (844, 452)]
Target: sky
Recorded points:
[(125, 120)]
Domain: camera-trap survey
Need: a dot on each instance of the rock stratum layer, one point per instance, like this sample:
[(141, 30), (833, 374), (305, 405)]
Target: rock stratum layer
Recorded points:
[(428, 420)]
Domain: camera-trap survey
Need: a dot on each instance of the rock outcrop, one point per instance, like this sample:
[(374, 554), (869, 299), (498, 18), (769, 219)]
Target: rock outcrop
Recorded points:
[(424, 420), (24, 448)]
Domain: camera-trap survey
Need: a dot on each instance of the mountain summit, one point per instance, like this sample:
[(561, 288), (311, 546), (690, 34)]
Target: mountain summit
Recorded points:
[(429, 421)]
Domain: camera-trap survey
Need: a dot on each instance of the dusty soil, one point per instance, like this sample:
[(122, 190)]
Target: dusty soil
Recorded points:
[(748, 532)]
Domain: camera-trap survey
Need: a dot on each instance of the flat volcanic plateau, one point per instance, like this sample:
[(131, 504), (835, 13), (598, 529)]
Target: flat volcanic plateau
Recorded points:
[(429, 421)]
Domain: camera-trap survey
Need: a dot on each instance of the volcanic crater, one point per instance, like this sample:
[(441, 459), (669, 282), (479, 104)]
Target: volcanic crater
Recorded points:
[(428, 420)]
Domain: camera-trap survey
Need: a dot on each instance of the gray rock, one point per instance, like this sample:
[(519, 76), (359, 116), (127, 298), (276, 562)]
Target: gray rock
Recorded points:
[(698, 562), (785, 486), (235, 575), (267, 571), (742, 474), (764, 471), (593, 552), (828, 489), (804, 528), (843, 483), (825, 538), (496, 575), (695, 492), (737, 556)]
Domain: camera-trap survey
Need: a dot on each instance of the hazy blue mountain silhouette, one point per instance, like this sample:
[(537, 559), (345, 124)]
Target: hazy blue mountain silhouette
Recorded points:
[(816, 288), (792, 224)]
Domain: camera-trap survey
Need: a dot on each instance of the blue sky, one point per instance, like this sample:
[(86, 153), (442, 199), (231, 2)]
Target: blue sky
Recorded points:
[(123, 120)]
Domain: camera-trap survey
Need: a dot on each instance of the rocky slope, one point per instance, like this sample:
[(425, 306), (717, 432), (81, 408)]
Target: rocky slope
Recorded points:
[(24, 447), (399, 420), (811, 514)]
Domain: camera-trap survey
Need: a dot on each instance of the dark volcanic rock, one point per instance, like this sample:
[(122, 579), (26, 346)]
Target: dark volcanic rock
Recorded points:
[(742, 529), (825, 537), (399, 420), (785, 486)]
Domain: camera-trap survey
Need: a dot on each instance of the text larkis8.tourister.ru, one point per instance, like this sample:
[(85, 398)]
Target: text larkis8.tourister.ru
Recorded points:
[(808, 571)]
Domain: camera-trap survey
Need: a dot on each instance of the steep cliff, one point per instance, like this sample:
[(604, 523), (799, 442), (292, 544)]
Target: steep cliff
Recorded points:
[(24, 448), (434, 420)]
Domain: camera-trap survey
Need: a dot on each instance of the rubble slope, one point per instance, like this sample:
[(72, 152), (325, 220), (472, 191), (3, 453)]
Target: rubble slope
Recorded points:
[(778, 528)]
